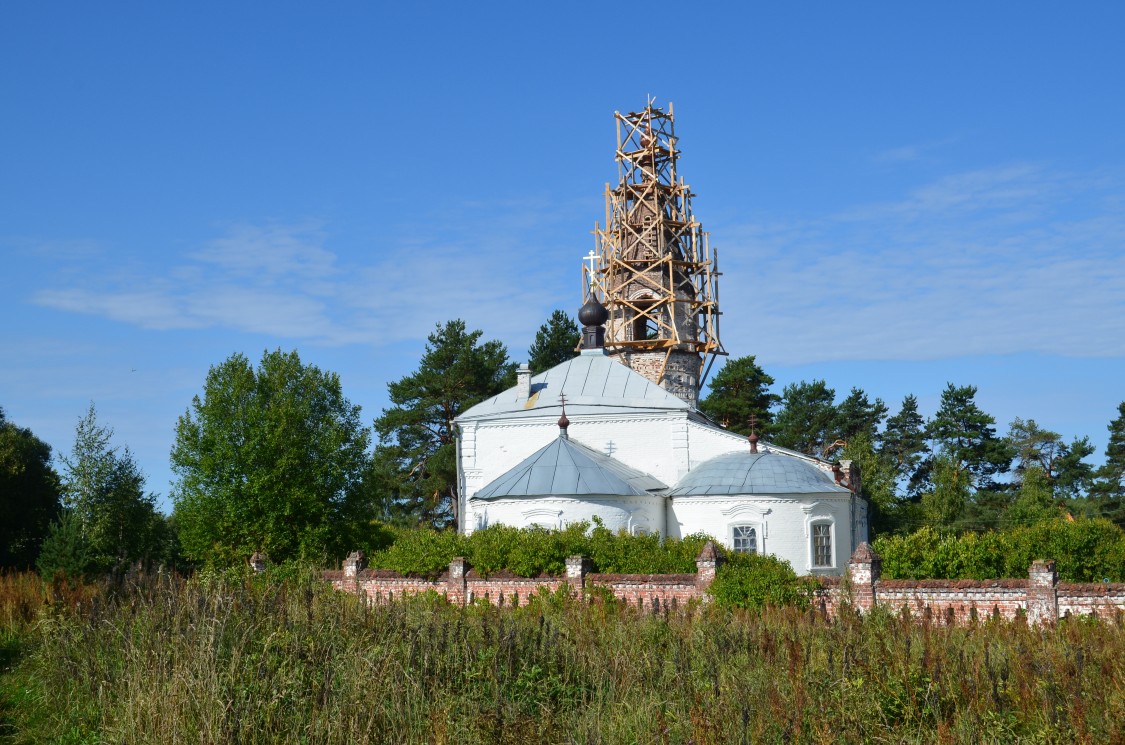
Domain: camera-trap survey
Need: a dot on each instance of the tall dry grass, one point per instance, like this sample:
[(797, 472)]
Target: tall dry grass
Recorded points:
[(218, 660)]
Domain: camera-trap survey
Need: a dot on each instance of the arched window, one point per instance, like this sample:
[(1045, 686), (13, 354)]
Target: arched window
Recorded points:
[(822, 545), (744, 539)]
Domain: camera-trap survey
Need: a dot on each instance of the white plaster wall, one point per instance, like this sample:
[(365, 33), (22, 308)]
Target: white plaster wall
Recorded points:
[(643, 442), (710, 442), (783, 524), (617, 513)]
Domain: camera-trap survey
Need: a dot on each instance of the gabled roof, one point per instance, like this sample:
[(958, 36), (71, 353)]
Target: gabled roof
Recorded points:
[(592, 382), (744, 472), (567, 468)]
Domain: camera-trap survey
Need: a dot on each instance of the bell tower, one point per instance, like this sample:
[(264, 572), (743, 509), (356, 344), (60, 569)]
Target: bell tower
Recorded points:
[(651, 266)]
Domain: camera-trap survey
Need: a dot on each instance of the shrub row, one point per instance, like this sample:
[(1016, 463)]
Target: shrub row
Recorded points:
[(743, 581), (1084, 551), (530, 552)]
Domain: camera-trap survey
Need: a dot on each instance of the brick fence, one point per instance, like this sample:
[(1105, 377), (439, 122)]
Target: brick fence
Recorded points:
[(1041, 597)]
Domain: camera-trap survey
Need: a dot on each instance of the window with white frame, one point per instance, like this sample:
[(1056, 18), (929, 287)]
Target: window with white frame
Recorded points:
[(744, 539), (822, 545)]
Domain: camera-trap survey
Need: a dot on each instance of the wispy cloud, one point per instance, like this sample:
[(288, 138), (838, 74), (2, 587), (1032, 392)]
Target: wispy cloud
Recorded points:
[(282, 280), (1017, 258), (1011, 259), (912, 153)]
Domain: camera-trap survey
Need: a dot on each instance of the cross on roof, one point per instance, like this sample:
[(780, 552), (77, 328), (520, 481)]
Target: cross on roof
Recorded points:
[(592, 258)]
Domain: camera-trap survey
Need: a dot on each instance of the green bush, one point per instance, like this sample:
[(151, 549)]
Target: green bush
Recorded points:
[(754, 581), (530, 552), (420, 552), (1084, 551)]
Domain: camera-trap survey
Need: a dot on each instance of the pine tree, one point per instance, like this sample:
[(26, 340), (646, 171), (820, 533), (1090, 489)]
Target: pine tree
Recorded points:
[(555, 342), (966, 436), (415, 464), (1060, 463), (856, 415), (739, 390), (807, 420), (903, 442), (1109, 489)]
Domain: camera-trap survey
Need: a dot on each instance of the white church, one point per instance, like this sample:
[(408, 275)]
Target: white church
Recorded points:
[(615, 433)]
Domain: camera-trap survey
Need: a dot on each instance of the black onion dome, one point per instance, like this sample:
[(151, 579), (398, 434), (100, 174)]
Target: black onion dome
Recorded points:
[(593, 313)]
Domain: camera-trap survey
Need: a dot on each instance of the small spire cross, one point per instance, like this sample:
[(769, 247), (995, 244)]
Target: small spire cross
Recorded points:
[(592, 258), (753, 438), (563, 421)]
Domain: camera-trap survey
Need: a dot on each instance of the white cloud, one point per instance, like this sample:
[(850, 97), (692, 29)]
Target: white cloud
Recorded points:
[(282, 281), (1017, 258), (1008, 260)]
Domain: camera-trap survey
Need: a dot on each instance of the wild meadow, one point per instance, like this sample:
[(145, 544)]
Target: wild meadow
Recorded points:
[(281, 658)]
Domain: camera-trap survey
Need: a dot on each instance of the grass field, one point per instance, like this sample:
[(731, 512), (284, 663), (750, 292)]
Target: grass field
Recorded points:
[(286, 660)]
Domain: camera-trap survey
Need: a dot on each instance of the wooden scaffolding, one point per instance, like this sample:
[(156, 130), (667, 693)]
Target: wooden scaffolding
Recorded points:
[(652, 266)]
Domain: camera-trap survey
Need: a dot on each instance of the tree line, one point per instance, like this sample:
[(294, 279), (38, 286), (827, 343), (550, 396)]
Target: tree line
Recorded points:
[(273, 458), (953, 470)]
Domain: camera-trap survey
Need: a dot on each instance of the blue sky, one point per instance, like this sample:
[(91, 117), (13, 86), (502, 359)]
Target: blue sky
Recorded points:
[(901, 194)]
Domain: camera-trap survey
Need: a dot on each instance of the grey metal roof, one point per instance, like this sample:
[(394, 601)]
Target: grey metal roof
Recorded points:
[(592, 382), (564, 467), (755, 473)]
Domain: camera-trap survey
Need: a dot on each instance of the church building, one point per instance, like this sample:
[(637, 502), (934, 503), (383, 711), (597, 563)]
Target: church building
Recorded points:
[(615, 433)]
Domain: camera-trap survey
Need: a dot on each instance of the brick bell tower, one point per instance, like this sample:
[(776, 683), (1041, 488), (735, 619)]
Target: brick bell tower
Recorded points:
[(651, 266)]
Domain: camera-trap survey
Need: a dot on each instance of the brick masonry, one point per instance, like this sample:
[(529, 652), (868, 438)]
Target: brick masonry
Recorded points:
[(1040, 597)]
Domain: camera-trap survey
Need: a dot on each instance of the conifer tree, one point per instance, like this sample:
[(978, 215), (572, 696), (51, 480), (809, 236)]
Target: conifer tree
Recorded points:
[(1109, 489), (903, 442), (739, 390), (857, 415), (966, 436), (555, 342), (415, 464), (808, 419)]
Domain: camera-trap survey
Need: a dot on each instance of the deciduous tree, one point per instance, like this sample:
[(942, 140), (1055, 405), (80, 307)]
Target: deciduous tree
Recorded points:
[(105, 490), (269, 459), (29, 494)]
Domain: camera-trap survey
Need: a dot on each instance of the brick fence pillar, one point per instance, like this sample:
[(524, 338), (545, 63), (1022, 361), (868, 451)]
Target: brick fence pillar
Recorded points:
[(354, 564), (864, 569), (577, 567), (1042, 592), (706, 565), (456, 582)]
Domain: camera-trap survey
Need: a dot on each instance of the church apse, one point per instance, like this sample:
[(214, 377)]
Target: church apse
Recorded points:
[(652, 266)]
